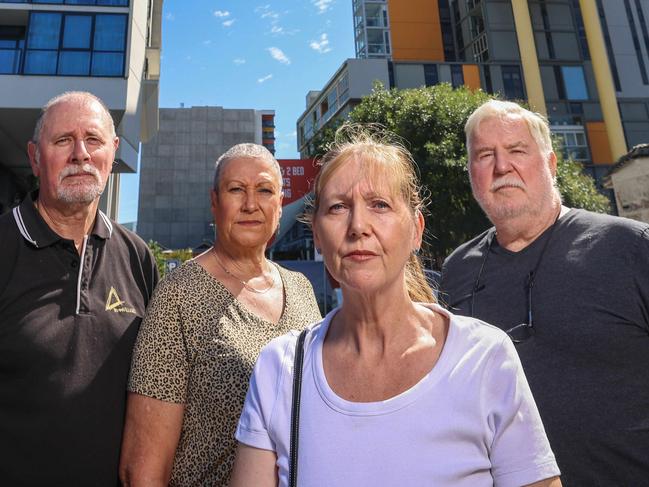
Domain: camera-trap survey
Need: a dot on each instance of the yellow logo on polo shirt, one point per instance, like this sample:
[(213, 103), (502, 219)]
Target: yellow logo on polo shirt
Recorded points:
[(115, 304)]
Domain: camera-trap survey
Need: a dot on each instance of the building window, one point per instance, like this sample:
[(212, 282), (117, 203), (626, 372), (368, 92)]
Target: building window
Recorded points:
[(609, 46), (457, 75), (12, 43), (643, 24), (430, 75), (105, 3), (636, 42), (573, 142), (343, 89), (574, 83), (581, 30), (513, 82), (76, 45)]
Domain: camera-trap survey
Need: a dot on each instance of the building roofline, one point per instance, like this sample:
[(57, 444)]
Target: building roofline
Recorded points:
[(324, 89), (640, 150)]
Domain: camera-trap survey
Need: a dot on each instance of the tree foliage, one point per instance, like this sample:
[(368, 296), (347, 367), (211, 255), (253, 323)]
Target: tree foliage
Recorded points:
[(430, 121), (161, 256)]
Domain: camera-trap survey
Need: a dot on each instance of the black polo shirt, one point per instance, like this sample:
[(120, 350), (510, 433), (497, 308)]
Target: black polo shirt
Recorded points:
[(68, 323)]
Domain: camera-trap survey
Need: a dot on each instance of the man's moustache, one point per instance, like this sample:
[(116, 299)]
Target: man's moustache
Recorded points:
[(83, 169), (501, 183)]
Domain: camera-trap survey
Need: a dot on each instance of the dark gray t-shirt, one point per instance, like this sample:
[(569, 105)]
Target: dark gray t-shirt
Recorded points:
[(588, 361)]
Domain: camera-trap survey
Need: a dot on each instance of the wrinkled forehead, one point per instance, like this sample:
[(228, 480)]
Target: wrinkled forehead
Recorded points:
[(72, 110), (502, 126), (263, 167), (371, 176)]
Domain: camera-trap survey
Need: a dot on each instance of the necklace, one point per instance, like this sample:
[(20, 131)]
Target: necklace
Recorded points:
[(243, 283)]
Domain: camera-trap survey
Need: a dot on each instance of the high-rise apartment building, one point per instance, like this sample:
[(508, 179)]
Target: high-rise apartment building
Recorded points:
[(177, 167), (108, 47), (583, 63)]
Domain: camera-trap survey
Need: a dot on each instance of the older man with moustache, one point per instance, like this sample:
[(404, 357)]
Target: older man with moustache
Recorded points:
[(570, 287), (73, 288)]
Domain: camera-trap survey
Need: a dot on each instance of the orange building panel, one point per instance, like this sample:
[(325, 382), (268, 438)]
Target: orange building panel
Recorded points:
[(600, 149), (471, 76), (415, 30)]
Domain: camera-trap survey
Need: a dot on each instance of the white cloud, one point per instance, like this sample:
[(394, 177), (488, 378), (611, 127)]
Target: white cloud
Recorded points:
[(170, 16), (278, 55), (292, 134), (239, 61), (277, 30), (265, 12), (322, 46), (207, 42), (221, 13), (322, 5), (265, 78), (228, 23)]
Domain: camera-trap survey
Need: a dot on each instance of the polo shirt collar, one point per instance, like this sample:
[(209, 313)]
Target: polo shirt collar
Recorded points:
[(34, 229)]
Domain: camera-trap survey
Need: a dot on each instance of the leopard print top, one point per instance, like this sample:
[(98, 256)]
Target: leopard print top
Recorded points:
[(197, 345)]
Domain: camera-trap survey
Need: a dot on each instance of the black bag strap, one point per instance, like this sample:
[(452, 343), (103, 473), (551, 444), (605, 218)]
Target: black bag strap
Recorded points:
[(295, 408)]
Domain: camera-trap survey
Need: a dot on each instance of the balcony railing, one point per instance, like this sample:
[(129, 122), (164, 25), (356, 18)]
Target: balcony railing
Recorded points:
[(377, 21), (376, 49)]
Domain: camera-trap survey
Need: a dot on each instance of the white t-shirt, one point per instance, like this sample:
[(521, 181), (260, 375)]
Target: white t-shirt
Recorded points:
[(471, 421)]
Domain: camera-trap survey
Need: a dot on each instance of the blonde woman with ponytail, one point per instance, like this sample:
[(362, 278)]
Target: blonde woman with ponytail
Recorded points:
[(394, 389)]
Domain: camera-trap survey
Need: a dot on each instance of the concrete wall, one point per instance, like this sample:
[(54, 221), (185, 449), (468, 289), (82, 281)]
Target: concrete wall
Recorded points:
[(176, 171), (363, 73)]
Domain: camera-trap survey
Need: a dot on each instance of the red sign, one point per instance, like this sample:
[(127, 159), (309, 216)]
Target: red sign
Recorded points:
[(298, 176)]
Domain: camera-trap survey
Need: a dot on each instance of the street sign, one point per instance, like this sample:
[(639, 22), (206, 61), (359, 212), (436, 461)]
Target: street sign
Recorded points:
[(171, 264)]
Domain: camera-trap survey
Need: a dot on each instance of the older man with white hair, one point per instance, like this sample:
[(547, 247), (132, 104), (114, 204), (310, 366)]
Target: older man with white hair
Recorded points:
[(73, 288), (571, 289)]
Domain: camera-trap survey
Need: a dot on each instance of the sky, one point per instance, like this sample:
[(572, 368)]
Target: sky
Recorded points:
[(248, 54)]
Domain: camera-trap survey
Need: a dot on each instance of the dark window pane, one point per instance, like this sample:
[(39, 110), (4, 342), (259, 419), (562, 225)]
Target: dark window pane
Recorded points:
[(117, 3), (430, 74), (74, 62), (76, 33), (44, 30), (80, 2), (107, 64), (40, 62), (47, 1), (9, 61), (110, 32), (513, 82), (575, 83), (12, 32), (457, 76)]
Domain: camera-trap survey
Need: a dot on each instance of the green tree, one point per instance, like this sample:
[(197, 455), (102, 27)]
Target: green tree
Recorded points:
[(430, 121), (161, 256)]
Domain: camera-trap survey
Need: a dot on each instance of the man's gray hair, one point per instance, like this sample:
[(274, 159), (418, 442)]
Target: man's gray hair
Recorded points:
[(245, 151), (536, 123), (38, 129)]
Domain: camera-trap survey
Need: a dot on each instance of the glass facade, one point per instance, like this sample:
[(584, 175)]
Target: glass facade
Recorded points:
[(371, 29), (574, 83), (573, 142), (457, 75), (430, 75), (74, 44), (513, 82), (12, 44), (106, 3)]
